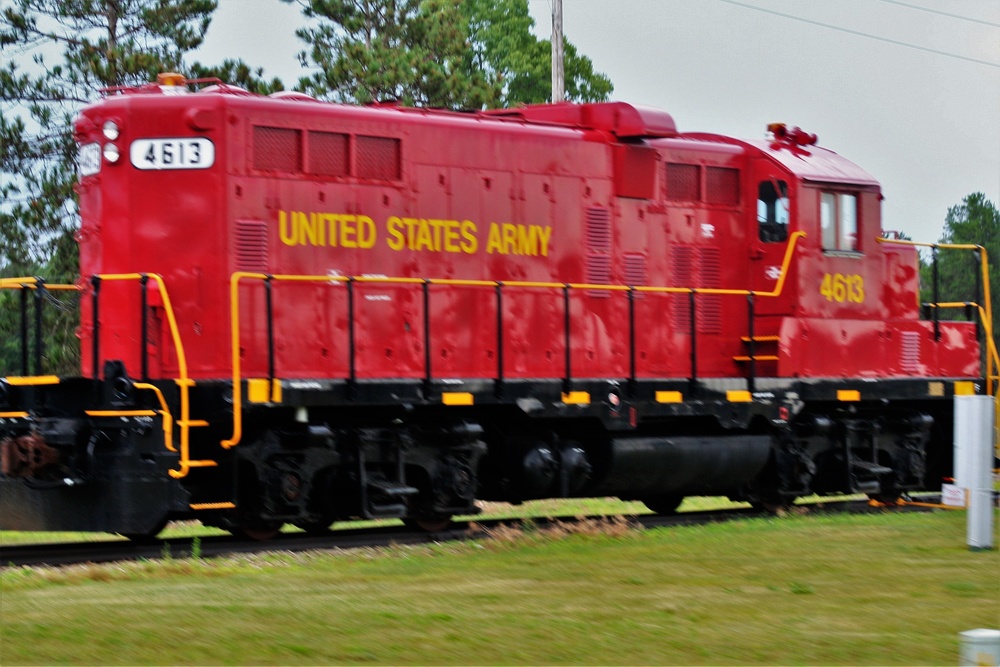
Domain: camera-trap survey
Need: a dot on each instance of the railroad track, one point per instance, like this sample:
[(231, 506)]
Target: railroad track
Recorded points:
[(353, 538)]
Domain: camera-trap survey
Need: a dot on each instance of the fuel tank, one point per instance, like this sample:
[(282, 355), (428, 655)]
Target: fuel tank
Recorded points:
[(687, 466)]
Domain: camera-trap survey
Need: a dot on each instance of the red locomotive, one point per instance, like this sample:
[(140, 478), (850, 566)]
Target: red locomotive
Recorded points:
[(301, 312)]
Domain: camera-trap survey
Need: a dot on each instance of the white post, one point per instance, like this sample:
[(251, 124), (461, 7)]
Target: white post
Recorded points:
[(558, 78), (979, 647), (974, 465)]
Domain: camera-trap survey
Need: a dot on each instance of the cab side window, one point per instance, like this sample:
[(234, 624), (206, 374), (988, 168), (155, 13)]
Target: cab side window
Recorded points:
[(772, 211), (838, 219)]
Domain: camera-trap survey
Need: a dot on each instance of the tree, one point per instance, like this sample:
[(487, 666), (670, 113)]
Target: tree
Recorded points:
[(58, 55), (504, 47), (465, 54), (407, 50), (975, 221)]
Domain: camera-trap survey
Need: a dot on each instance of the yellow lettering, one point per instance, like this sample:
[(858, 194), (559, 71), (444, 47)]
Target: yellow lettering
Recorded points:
[(525, 241), (396, 242), (348, 231), (366, 232), (436, 225), (493, 243), (469, 241), (300, 228), (424, 239), (544, 234), (286, 228), (509, 238), (451, 236), (307, 228)]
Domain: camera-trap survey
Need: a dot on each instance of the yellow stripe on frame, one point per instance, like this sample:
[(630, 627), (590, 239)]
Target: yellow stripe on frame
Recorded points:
[(258, 390), (32, 380), (576, 398), (669, 397), (457, 398), (965, 388), (739, 396), (848, 395)]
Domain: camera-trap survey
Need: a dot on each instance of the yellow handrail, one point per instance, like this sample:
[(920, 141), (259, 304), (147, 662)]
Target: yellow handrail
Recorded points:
[(992, 370), (237, 277), (31, 282), (184, 383)]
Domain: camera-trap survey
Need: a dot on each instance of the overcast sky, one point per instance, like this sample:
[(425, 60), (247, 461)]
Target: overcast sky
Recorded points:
[(908, 90)]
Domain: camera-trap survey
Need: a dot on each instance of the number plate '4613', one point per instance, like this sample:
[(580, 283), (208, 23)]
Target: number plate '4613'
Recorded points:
[(840, 288), (193, 153)]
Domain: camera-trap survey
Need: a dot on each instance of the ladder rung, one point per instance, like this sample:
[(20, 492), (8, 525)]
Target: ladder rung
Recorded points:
[(759, 357), (192, 422)]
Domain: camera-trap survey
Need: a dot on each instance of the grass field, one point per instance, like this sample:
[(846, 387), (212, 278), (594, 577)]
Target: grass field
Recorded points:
[(531, 509), (873, 589)]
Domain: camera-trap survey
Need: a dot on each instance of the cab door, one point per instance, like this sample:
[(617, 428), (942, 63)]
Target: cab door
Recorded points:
[(770, 223)]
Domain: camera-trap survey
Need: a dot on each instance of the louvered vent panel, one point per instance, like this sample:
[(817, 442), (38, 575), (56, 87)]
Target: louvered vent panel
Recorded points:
[(378, 158), (709, 305), (681, 275), (683, 182), (598, 229), (634, 271), (328, 154), (722, 186), (909, 351), (598, 273), (634, 267), (277, 149), (250, 246)]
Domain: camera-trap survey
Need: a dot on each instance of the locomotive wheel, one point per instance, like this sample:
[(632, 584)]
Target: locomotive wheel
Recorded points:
[(319, 527), (260, 531), (890, 498), (664, 504), (145, 538), (773, 506), (429, 524)]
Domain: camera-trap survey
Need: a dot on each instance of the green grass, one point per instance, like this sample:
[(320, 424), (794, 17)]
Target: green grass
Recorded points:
[(532, 509), (871, 589)]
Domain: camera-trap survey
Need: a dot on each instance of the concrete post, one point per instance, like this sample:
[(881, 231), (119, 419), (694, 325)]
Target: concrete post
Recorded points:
[(974, 465), (980, 648)]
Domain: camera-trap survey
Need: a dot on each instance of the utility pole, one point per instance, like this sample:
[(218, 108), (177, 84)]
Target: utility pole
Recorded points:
[(558, 77)]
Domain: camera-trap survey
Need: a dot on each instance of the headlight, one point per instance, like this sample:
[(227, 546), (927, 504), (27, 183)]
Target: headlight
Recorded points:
[(110, 130), (111, 153)]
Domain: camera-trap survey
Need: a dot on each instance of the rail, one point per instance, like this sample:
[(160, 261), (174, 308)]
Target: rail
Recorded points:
[(184, 383), (38, 287), (499, 288), (991, 364)]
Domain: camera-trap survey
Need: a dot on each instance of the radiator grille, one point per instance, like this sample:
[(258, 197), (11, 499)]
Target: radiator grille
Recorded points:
[(277, 149), (377, 158), (722, 186), (328, 154), (683, 182)]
